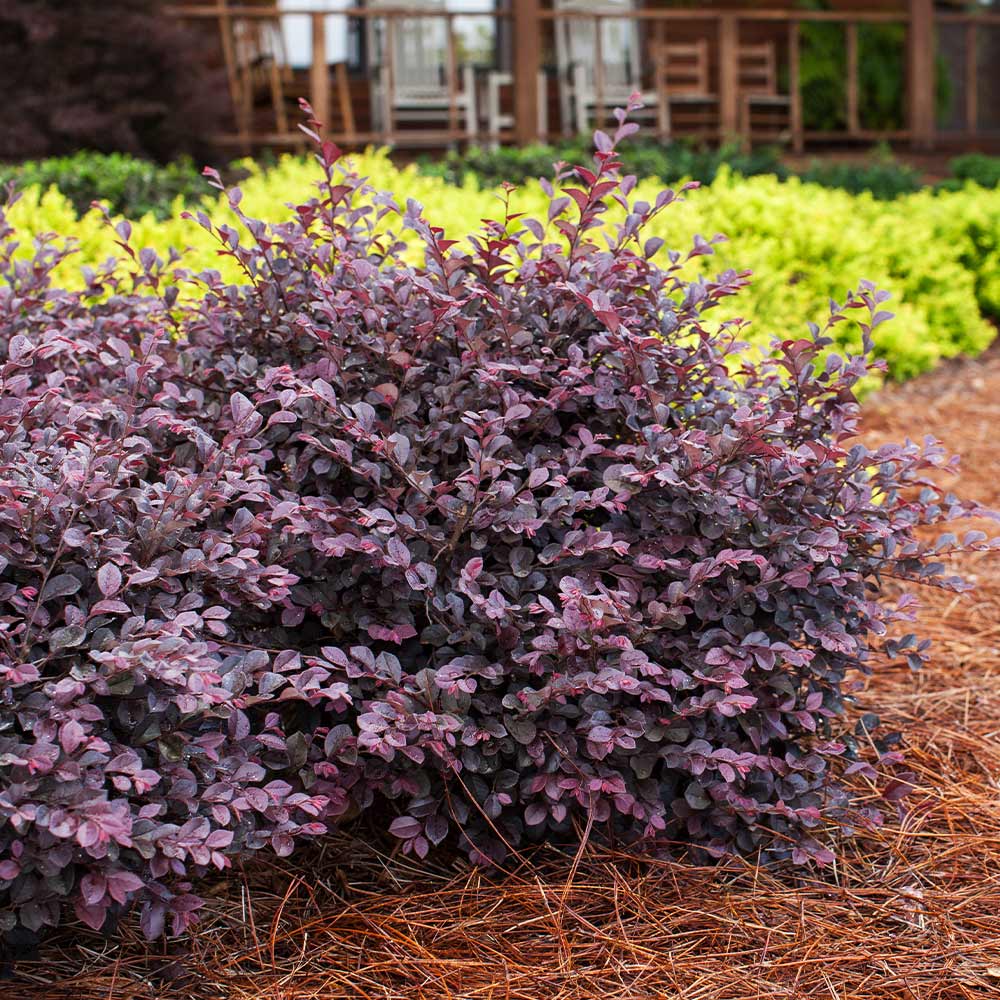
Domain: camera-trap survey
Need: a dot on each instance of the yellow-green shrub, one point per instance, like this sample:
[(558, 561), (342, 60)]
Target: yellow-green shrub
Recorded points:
[(938, 253)]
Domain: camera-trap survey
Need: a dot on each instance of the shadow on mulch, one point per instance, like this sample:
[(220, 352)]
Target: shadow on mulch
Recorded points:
[(911, 911)]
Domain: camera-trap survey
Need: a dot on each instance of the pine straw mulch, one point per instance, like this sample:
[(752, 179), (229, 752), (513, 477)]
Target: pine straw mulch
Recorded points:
[(910, 912)]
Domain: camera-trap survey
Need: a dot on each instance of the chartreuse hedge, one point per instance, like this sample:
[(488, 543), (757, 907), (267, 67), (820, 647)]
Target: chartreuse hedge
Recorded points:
[(937, 253)]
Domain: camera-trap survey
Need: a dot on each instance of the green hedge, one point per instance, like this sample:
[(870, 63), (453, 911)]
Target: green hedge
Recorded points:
[(644, 158), (880, 173), (135, 187), (128, 185), (978, 167), (882, 176)]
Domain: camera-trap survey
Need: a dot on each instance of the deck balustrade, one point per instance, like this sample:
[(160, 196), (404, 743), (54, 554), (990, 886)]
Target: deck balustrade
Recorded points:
[(557, 70)]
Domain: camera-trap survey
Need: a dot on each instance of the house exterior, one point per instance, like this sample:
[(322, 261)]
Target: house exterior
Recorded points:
[(425, 73)]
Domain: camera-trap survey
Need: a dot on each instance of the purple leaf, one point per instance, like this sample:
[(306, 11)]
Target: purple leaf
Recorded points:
[(405, 827)]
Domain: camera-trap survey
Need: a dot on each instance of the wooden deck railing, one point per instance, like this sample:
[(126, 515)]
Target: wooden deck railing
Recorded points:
[(975, 26), (530, 24)]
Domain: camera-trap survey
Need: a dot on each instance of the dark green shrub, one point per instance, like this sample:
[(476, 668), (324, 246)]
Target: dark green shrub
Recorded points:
[(978, 167), (669, 163), (883, 176), (128, 185)]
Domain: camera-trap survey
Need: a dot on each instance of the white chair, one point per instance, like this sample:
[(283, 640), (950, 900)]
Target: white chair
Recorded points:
[(758, 76), (588, 93), (256, 65), (682, 78), (497, 120), (418, 78)]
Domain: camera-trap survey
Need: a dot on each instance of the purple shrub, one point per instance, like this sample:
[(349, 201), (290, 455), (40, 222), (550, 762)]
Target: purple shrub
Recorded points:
[(490, 549), (119, 75)]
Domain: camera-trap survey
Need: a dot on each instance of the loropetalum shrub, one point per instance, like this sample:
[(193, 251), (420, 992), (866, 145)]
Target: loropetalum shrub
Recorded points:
[(492, 550)]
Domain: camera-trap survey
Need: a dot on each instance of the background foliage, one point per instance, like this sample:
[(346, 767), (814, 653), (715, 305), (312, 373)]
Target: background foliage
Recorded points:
[(127, 185), (645, 158), (133, 186)]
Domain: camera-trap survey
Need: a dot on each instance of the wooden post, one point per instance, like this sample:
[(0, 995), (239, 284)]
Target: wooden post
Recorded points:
[(389, 81), (346, 108), (920, 33), (729, 77), (319, 74), (232, 74), (853, 119), (452, 79), (794, 88), (971, 79), (599, 110), (527, 62)]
